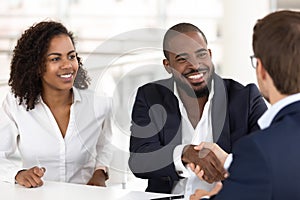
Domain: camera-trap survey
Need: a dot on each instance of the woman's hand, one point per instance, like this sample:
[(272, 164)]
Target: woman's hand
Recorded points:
[(98, 179), (31, 177), (203, 193)]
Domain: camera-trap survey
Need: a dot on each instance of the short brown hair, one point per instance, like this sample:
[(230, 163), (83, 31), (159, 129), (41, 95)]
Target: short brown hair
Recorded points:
[(276, 41)]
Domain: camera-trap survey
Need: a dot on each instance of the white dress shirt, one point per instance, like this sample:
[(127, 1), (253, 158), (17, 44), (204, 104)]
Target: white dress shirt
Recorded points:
[(191, 135), (74, 158), (266, 119)]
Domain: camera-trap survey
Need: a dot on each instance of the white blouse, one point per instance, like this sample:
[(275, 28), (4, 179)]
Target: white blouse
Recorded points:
[(74, 158)]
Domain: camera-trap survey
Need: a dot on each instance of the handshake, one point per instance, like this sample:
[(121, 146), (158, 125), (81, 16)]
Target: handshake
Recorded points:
[(206, 160)]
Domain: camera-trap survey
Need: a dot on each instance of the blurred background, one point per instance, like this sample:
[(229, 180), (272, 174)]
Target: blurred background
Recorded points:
[(120, 42)]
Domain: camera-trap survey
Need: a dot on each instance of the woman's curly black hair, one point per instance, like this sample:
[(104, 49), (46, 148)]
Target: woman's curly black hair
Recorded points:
[(29, 58)]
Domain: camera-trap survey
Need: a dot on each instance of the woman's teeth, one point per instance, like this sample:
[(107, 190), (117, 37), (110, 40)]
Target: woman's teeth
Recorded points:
[(66, 75)]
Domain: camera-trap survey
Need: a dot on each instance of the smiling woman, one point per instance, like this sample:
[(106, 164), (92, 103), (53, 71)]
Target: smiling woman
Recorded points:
[(61, 128), (33, 51), (61, 61)]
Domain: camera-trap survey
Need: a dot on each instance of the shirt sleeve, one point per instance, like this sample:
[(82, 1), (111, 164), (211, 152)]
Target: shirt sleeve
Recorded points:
[(9, 166), (180, 168), (104, 144), (228, 161)]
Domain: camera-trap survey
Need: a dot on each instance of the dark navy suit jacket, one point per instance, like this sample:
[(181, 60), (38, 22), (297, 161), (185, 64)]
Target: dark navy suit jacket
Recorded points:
[(156, 126), (266, 163)]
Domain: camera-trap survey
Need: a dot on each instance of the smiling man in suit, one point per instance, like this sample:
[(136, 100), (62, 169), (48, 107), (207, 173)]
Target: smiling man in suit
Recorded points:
[(171, 116), (266, 163)]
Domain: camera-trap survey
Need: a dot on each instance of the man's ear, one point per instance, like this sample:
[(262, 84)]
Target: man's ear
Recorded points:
[(209, 51), (260, 69), (167, 66)]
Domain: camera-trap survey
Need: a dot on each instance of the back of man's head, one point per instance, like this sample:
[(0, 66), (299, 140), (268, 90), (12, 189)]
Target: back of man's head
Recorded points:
[(276, 42)]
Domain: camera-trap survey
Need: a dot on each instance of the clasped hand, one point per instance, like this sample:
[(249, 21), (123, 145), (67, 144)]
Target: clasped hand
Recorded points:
[(204, 163)]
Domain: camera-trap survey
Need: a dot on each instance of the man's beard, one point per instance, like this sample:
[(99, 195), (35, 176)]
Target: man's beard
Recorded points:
[(202, 92)]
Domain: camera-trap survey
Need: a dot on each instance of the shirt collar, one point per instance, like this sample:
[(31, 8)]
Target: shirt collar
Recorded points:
[(266, 119), (76, 96)]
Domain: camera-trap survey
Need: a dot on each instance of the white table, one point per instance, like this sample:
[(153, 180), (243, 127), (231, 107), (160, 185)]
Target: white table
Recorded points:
[(68, 191)]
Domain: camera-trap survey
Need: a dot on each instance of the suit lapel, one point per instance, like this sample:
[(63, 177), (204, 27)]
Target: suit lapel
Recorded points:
[(170, 104), (220, 117)]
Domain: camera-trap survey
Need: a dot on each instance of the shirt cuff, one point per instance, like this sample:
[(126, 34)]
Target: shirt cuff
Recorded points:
[(228, 161), (205, 197), (105, 169), (180, 168), (8, 170)]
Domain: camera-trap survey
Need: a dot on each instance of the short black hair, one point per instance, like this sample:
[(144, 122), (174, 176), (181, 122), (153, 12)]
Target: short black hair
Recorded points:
[(177, 29)]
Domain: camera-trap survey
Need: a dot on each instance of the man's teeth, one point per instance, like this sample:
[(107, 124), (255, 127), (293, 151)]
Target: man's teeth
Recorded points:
[(197, 76), (66, 75)]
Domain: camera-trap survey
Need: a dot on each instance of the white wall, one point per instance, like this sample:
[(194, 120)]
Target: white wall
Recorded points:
[(236, 35)]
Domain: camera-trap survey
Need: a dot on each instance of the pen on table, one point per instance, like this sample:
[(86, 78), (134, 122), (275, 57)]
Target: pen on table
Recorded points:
[(169, 198)]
